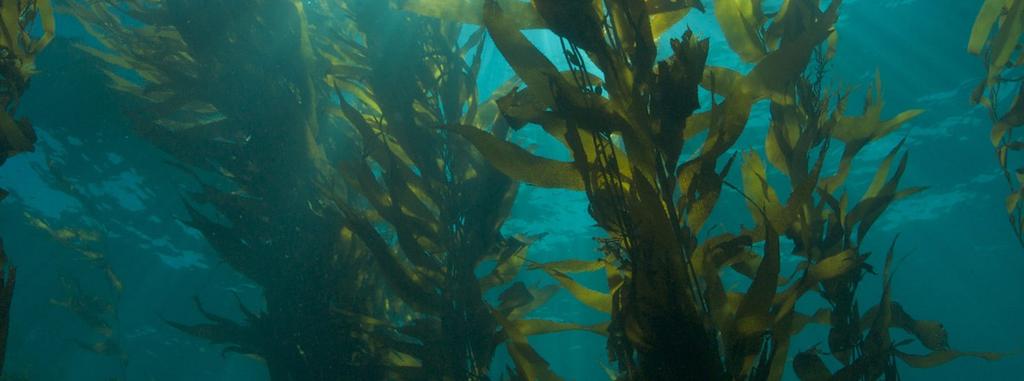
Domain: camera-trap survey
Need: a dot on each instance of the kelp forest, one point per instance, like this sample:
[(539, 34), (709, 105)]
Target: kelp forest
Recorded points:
[(511, 190)]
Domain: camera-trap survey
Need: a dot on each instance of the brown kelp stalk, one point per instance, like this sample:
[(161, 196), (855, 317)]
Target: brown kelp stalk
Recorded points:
[(17, 65), (996, 36), (229, 90), (408, 80), (7, 279)]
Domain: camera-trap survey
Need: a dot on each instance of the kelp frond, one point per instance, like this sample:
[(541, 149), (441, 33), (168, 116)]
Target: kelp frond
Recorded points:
[(413, 106), (626, 131), (18, 50), (996, 37)]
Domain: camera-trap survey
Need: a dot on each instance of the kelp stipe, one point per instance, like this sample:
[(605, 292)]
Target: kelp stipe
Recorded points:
[(8, 276)]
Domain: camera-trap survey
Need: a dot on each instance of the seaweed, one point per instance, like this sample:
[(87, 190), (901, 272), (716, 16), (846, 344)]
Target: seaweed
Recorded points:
[(7, 279), (297, 229), (96, 309), (995, 37), (359, 178), (428, 191), (632, 186), (98, 312), (671, 314), (18, 49), (248, 133)]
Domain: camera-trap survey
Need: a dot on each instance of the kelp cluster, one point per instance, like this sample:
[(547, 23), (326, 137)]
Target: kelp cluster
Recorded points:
[(626, 130), (94, 307), (438, 199), (348, 165), (422, 190), (236, 103), (89, 250), (304, 233), (996, 37), (18, 49)]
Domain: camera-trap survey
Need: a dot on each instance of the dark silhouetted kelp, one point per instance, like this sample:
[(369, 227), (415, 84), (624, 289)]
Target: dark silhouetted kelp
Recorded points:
[(248, 133), (7, 280)]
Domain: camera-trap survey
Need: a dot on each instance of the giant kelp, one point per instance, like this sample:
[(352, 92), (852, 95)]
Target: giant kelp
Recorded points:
[(663, 323), (6, 296), (369, 269), (248, 132), (96, 307), (17, 64), (428, 190), (301, 341), (829, 230), (428, 198), (671, 315), (996, 37), (91, 285), (18, 49)]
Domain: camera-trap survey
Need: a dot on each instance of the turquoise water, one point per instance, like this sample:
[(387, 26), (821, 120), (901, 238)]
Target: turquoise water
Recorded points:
[(958, 261)]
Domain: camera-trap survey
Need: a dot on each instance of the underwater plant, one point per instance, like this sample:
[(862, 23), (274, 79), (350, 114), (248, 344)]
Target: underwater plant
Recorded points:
[(95, 308), (433, 195), (626, 130), (651, 207), (17, 64), (7, 280), (222, 140), (369, 267), (996, 37), (248, 133), (828, 231), (18, 49), (98, 313), (102, 240)]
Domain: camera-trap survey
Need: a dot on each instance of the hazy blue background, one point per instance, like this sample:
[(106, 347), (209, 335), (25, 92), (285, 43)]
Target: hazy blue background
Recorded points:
[(959, 261)]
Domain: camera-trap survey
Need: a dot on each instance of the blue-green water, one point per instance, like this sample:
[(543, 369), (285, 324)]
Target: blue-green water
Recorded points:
[(958, 260)]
